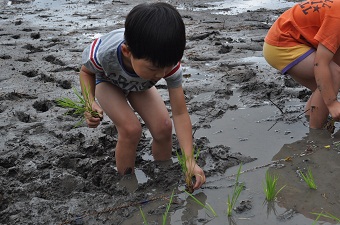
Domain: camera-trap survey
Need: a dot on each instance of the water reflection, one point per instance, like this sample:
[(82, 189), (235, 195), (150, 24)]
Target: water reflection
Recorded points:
[(233, 7), (192, 209)]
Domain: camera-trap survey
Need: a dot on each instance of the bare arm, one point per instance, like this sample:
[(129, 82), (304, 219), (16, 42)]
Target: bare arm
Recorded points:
[(183, 130), (87, 79), (325, 81)]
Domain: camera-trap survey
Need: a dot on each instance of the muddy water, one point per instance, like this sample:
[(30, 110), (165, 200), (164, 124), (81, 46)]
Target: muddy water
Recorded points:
[(232, 7)]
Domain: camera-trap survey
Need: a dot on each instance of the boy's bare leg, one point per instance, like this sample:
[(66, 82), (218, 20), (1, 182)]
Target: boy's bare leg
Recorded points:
[(150, 106), (303, 73), (318, 112), (115, 105)]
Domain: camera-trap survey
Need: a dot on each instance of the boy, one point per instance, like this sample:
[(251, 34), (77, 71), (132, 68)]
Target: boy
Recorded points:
[(121, 69), (304, 43)]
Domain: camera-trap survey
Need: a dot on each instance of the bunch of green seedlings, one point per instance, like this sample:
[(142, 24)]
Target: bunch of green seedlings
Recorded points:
[(238, 188), (269, 186), (165, 215), (80, 106), (188, 170), (309, 179)]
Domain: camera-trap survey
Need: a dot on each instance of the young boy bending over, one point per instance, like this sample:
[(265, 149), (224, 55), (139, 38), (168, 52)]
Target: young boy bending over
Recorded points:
[(304, 42), (121, 69)]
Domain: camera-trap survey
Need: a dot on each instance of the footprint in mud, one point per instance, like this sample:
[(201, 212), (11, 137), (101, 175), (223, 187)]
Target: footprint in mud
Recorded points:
[(16, 36), (33, 49), (4, 57), (52, 59), (65, 84), (35, 35), (15, 96), (23, 117), (45, 78), (8, 161), (2, 107), (30, 73), (3, 202), (67, 68), (42, 106), (26, 59)]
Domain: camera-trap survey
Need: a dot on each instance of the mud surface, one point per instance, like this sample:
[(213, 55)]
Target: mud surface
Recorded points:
[(54, 173)]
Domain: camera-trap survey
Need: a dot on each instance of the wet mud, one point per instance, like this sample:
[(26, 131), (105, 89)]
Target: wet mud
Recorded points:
[(54, 173)]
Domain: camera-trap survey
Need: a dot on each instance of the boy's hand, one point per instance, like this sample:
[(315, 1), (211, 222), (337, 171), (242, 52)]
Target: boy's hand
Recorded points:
[(199, 175), (334, 110), (92, 121)]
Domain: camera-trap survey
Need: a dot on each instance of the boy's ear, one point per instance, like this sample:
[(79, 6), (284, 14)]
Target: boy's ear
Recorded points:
[(125, 50)]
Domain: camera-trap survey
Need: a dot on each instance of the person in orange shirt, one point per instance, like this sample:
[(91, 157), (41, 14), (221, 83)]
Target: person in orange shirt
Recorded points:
[(304, 43)]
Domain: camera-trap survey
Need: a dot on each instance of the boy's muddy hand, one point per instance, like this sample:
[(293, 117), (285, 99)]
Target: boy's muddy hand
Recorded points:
[(334, 110), (92, 121), (200, 177)]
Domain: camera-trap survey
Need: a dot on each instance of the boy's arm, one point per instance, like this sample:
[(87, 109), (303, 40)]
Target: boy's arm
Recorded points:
[(325, 82), (87, 79), (183, 130)]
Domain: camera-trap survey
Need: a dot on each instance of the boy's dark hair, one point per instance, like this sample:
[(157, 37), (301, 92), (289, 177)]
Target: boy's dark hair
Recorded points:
[(155, 32)]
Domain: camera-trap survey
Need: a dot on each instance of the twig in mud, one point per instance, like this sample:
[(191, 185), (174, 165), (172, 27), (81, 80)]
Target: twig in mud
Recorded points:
[(302, 113), (283, 113), (272, 125), (268, 95), (276, 106)]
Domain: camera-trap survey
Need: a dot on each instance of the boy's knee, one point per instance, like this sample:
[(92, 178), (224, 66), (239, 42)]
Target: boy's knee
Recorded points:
[(130, 131), (164, 130)]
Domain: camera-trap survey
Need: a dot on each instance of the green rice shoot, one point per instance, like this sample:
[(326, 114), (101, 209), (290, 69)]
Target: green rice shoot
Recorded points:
[(309, 179), (326, 215), (188, 172), (165, 215), (143, 216), (269, 186), (238, 188)]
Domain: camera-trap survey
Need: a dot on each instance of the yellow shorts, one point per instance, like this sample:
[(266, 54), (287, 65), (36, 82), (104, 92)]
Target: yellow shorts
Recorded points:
[(284, 58)]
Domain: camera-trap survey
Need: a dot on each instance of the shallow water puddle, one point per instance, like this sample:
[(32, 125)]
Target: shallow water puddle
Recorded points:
[(234, 7)]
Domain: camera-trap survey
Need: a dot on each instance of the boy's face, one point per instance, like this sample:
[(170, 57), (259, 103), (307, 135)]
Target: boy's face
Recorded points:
[(146, 70)]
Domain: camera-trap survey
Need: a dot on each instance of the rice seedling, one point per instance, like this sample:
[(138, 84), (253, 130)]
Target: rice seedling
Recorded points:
[(269, 186), (143, 216), (184, 160), (206, 205), (309, 179), (238, 188), (326, 215), (80, 106), (165, 215)]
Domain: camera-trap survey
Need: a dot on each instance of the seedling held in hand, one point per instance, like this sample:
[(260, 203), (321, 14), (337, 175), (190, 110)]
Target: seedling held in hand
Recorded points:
[(80, 106)]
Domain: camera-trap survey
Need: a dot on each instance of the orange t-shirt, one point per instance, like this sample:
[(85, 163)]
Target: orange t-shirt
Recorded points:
[(310, 22)]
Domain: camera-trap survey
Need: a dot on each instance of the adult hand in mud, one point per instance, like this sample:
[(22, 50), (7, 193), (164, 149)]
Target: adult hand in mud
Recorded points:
[(91, 120), (200, 177)]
